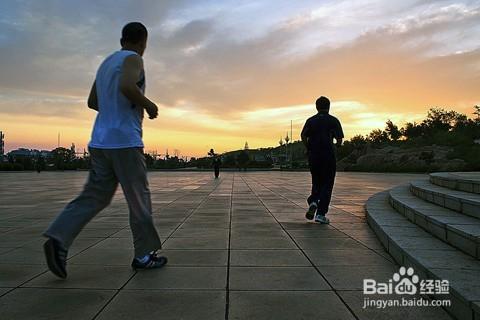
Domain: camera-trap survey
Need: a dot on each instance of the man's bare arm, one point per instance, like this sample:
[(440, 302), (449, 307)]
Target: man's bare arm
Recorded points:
[(131, 71), (92, 101)]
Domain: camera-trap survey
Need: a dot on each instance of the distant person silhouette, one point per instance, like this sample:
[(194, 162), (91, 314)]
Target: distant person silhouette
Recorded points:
[(116, 152), (317, 136), (216, 166)]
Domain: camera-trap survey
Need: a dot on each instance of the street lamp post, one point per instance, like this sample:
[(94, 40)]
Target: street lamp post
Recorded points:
[(287, 139)]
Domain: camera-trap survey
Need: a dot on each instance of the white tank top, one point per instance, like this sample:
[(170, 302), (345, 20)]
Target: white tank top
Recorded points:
[(119, 121)]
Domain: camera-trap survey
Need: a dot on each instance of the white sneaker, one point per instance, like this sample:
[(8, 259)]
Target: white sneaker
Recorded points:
[(321, 219)]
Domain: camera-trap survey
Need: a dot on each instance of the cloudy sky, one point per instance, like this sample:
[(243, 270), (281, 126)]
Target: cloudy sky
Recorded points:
[(226, 72)]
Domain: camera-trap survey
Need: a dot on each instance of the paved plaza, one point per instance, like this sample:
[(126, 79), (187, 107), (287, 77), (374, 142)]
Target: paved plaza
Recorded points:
[(239, 248)]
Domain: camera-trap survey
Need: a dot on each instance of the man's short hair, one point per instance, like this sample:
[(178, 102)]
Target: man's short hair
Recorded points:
[(323, 104), (134, 32)]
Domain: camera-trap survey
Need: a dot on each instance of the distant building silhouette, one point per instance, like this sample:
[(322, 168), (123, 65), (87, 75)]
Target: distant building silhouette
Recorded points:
[(29, 153)]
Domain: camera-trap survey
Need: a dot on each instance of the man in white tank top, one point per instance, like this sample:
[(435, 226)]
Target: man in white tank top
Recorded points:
[(116, 153)]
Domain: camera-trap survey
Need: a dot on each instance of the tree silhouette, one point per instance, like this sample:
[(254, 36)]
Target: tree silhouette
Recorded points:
[(62, 158), (243, 159), (377, 136), (477, 113), (392, 131)]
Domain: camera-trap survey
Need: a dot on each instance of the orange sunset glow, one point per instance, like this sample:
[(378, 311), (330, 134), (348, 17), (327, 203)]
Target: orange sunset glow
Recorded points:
[(223, 73)]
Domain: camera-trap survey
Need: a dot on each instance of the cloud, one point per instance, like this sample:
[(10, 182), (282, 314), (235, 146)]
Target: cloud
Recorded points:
[(389, 67), (58, 106), (240, 68), (55, 46), (202, 62)]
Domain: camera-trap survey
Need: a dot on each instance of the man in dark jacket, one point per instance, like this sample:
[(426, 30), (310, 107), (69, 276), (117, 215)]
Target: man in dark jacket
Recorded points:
[(216, 166), (317, 136)]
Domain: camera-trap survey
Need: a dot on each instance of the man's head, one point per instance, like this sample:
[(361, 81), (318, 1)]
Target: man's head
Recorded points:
[(134, 37), (323, 104)]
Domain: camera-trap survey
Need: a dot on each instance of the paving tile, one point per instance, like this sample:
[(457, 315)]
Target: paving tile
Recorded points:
[(104, 257), (370, 242), (262, 243), (7, 241), (124, 233), (171, 277), (12, 275), (287, 305), (351, 277), (256, 226), (259, 233), (35, 304), (354, 233), (201, 233), (166, 305), (204, 225), (196, 243), (24, 256), (4, 291), (304, 225), (86, 277), (333, 243), (114, 243), (275, 258), (196, 257), (348, 257), (98, 233), (276, 278), (358, 225), (317, 233)]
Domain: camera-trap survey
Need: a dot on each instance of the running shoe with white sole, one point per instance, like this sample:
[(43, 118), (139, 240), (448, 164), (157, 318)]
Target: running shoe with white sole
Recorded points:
[(154, 262), (321, 219)]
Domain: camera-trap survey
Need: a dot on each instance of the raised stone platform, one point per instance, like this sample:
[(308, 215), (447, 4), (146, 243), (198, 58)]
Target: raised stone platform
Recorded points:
[(239, 248), (434, 229)]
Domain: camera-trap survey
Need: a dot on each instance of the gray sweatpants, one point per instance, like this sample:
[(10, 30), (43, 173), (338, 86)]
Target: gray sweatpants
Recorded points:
[(109, 167)]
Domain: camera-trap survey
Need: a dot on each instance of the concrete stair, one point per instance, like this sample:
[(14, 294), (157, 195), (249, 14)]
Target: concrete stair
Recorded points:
[(461, 201), (462, 181), (433, 226), (454, 228)]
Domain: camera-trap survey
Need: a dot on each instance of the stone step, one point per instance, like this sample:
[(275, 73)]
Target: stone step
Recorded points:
[(454, 228), (431, 258), (460, 201), (462, 181)]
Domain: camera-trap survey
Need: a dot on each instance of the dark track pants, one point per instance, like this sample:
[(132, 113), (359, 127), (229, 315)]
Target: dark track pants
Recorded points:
[(323, 177), (110, 167)]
